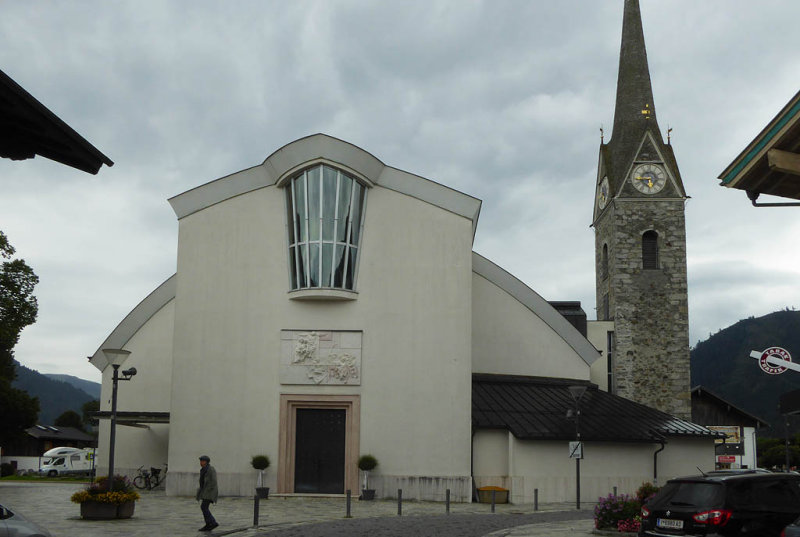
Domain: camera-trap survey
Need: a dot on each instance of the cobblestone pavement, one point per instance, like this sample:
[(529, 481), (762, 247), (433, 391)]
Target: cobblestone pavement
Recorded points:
[(156, 514)]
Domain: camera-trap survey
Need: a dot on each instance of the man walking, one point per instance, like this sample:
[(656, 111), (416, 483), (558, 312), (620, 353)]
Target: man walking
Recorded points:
[(207, 493)]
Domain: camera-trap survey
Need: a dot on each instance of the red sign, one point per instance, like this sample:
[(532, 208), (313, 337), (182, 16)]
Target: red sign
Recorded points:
[(726, 458)]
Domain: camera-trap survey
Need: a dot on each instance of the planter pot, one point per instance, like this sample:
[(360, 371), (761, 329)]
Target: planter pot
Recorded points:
[(485, 495), (106, 511), (125, 510), (262, 492), (368, 494)]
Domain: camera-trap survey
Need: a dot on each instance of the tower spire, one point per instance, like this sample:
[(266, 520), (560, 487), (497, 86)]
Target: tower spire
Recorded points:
[(635, 110)]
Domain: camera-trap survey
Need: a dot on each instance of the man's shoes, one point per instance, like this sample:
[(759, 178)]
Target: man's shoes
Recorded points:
[(211, 526), (204, 528)]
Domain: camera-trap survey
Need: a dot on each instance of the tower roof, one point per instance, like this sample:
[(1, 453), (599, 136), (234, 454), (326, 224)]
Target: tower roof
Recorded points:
[(635, 111)]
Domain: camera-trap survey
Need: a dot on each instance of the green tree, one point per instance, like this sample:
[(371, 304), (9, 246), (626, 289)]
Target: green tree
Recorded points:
[(18, 309), (86, 409), (69, 418)]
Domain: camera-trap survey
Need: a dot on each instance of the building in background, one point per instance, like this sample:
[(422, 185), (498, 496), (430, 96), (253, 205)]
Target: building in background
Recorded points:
[(738, 449)]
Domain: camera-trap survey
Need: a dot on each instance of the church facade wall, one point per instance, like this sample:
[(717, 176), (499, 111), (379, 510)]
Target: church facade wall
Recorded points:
[(149, 390), (412, 309)]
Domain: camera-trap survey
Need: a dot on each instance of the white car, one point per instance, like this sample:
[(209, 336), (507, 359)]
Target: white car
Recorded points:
[(12, 524)]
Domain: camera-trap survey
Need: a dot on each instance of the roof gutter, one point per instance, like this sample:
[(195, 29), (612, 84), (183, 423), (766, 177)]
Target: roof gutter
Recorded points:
[(754, 196)]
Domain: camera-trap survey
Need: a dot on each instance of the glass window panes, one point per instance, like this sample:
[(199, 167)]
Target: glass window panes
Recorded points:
[(325, 208)]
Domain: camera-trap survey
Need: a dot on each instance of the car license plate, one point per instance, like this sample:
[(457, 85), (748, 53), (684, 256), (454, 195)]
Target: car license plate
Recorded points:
[(669, 523)]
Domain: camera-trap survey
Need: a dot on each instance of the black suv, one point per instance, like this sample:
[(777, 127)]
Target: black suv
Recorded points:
[(750, 504)]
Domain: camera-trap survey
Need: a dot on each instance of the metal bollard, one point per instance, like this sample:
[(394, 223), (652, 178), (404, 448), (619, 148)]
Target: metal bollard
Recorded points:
[(447, 501), (255, 510), (615, 491), (494, 493), (399, 502), (535, 499), (348, 505)]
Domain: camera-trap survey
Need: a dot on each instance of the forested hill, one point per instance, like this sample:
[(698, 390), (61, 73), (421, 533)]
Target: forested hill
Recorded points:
[(722, 364), (55, 396)]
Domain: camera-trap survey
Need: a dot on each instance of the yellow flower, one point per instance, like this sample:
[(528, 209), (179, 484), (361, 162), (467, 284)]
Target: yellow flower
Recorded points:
[(116, 498)]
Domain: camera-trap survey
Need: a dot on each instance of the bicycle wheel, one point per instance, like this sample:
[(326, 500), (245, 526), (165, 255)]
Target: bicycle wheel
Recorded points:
[(139, 482)]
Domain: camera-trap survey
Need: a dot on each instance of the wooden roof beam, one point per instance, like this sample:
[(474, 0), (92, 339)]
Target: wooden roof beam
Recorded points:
[(783, 161)]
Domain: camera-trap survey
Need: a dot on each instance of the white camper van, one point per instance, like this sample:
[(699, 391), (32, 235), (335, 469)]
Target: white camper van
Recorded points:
[(66, 461)]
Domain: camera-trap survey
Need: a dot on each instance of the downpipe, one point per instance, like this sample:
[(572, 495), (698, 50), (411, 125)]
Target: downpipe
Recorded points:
[(655, 461)]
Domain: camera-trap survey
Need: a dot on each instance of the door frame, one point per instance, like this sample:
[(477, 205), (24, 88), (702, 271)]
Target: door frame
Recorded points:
[(351, 404)]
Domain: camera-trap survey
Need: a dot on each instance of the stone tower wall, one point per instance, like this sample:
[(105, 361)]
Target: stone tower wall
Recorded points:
[(649, 307)]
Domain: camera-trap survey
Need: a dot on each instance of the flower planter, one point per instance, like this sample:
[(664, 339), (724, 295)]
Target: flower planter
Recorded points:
[(106, 511), (262, 492), (368, 494), (125, 510)]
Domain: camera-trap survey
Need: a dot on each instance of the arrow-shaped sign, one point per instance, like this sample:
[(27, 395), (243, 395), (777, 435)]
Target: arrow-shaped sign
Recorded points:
[(774, 360)]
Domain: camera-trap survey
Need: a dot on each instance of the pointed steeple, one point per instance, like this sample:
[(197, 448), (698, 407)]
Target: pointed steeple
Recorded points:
[(635, 109), (635, 112)]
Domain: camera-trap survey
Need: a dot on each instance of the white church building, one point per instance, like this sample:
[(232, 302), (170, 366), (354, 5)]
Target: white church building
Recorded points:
[(326, 305)]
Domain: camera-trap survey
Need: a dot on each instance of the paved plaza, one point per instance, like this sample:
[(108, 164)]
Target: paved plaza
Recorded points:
[(157, 514)]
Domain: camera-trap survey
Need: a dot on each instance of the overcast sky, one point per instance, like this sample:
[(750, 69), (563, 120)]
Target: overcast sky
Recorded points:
[(502, 100)]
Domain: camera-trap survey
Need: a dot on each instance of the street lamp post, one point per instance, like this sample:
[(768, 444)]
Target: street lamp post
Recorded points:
[(115, 359), (577, 392)]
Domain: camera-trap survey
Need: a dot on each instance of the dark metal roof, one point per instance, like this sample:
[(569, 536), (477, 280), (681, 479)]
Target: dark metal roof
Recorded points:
[(535, 408), (28, 128), (58, 433)]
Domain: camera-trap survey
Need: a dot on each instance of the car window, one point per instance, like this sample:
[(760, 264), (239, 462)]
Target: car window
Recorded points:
[(774, 495), (58, 461), (689, 493)]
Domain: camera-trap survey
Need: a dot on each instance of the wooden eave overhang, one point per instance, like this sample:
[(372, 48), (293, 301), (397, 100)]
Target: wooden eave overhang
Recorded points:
[(28, 128), (770, 164)]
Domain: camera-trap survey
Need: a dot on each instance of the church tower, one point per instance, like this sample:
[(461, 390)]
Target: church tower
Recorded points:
[(640, 242)]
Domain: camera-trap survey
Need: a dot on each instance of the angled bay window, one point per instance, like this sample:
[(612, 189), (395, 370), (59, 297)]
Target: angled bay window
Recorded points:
[(325, 212)]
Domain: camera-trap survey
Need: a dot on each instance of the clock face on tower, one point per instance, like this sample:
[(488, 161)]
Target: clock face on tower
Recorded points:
[(602, 194), (648, 178)]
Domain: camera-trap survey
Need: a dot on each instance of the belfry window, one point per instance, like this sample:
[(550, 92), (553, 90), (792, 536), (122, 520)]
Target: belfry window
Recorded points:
[(650, 250), (604, 263), (325, 212)]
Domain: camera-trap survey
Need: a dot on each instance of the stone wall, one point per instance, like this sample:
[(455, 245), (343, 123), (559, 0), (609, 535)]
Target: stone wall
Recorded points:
[(649, 307)]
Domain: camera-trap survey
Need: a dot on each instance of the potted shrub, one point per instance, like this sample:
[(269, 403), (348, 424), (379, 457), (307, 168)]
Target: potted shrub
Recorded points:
[(261, 463), (97, 503), (366, 463)]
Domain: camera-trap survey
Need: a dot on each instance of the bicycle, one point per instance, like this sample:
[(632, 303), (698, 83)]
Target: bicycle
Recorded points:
[(149, 479)]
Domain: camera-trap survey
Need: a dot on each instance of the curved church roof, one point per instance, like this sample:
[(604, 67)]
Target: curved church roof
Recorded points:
[(292, 157), (536, 304), (135, 320)]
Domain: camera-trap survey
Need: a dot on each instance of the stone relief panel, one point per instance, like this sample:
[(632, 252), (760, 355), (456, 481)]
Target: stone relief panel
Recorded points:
[(320, 357)]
